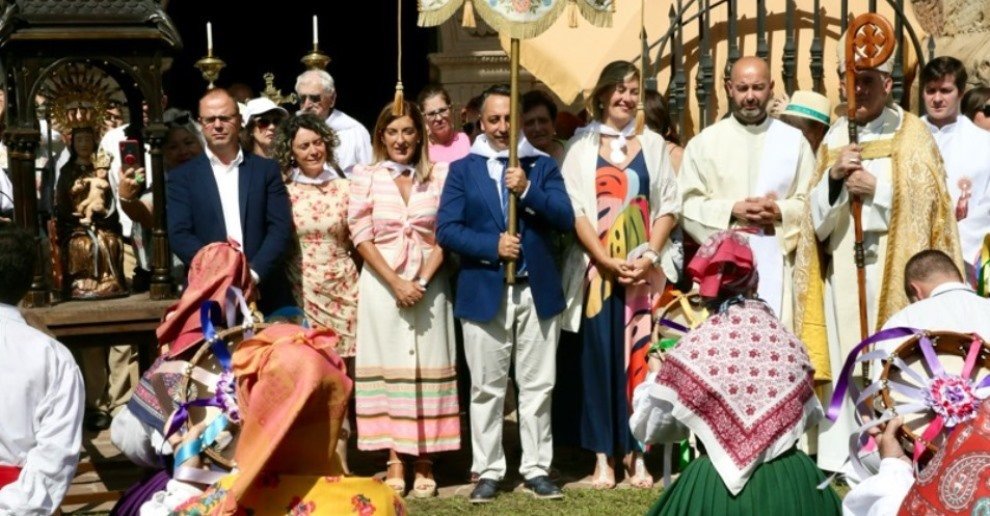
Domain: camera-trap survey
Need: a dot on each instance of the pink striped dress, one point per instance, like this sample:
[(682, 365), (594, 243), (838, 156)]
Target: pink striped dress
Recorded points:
[(406, 378)]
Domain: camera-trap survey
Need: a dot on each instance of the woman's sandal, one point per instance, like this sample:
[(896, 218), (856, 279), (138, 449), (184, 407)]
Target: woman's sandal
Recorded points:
[(603, 480), (640, 477), (398, 484), (424, 487)]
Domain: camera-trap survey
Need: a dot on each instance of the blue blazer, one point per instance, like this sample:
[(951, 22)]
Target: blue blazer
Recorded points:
[(195, 219), (470, 220)]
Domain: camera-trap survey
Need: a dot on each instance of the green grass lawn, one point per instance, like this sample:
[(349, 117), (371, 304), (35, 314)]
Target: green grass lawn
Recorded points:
[(621, 502), (576, 501)]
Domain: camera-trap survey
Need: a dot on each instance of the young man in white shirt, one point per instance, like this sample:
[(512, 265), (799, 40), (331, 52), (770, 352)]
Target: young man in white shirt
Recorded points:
[(41, 395)]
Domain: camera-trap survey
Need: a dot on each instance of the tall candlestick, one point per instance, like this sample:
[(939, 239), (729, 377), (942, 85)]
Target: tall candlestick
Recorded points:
[(316, 32), (209, 38)]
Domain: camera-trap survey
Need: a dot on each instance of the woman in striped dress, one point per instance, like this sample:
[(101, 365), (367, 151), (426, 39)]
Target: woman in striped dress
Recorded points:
[(406, 392)]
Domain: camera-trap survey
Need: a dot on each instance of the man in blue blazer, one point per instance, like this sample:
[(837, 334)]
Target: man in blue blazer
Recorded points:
[(504, 323), (226, 193)]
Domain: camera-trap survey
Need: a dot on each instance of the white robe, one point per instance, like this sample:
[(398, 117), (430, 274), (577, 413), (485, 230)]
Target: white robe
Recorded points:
[(355, 142), (833, 225), (722, 166), (965, 149), (41, 412)]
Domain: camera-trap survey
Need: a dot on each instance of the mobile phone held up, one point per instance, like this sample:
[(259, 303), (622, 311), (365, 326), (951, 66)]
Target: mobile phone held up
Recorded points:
[(131, 156)]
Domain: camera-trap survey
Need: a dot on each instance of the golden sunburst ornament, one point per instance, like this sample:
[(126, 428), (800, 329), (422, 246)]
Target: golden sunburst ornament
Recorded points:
[(79, 95)]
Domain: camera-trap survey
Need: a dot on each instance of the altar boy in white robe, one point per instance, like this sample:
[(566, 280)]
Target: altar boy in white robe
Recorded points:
[(965, 149), (41, 395), (751, 171)]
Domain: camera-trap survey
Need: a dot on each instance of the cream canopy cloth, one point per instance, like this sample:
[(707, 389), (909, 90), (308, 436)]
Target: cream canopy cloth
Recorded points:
[(520, 19), (568, 59)]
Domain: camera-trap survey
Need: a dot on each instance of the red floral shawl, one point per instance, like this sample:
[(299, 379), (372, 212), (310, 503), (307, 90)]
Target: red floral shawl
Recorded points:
[(743, 384)]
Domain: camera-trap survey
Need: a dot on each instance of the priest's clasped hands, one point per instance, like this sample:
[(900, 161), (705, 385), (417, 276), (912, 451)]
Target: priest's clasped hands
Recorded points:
[(761, 212), (849, 167)]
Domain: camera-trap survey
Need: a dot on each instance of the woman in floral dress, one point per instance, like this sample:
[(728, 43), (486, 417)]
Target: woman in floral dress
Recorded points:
[(322, 273)]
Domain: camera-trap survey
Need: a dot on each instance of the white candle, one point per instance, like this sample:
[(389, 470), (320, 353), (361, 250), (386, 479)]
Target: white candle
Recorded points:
[(209, 37), (316, 31)]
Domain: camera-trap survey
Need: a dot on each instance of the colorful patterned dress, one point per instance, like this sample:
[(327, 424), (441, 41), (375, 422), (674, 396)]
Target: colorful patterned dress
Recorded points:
[(616, 319), (405, 370), (323, 275)]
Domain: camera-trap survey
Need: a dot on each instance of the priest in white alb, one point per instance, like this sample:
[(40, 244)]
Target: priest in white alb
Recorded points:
[(751, 171)]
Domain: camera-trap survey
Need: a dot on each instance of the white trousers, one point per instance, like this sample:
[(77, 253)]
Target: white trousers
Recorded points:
[(516, 333)]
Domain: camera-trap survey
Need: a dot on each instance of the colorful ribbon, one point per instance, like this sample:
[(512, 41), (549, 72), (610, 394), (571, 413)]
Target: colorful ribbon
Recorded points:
[(950, 397)]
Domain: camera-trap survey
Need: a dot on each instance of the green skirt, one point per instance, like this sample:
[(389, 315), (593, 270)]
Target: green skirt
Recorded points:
[(786, 486)]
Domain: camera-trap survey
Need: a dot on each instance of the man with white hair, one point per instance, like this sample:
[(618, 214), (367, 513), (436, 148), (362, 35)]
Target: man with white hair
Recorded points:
[(896, 171), (317, 95)]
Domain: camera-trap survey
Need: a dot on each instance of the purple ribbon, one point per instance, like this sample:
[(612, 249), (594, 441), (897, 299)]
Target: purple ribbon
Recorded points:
[(181, 414), (843, 383), (934, 364), (673, 325)]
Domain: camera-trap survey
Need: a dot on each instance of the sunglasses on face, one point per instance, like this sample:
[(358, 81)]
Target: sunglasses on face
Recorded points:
[(267, 121), (985, 110), (468, 128), (315, 99), (223, 119)]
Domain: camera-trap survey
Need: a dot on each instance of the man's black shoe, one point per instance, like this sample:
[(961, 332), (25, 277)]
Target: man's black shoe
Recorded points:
[(485, 491), (97, 420), (541, 487)]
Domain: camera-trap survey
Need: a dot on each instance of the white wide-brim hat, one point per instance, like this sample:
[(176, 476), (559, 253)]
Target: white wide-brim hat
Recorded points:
[(260, 106), (810, 105)]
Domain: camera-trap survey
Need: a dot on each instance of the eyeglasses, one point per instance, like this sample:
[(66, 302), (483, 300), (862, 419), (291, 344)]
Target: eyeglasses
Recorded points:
[(437, 113), (266, 121), (315, 99), (223, 119)]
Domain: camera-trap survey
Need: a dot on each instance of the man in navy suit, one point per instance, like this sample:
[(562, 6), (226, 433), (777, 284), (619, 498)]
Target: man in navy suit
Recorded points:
[(228, 194), (504, 322)]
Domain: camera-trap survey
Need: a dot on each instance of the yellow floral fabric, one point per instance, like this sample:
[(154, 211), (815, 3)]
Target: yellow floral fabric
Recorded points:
[(301, 495)]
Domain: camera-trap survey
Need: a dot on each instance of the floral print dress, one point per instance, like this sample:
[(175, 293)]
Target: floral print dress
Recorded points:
[(323, 275)]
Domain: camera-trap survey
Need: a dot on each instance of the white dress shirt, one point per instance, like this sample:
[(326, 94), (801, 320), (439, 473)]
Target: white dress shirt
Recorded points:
[(952, 306), (227, 177), (355, 142), (881, 494), (965, 149), (41, 412)]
